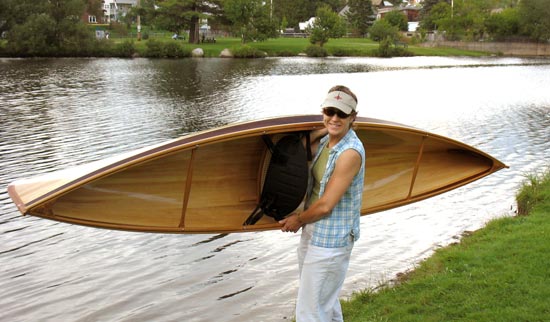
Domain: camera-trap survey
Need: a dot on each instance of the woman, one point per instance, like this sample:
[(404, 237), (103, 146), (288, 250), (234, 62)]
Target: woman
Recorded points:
[(330, 221)]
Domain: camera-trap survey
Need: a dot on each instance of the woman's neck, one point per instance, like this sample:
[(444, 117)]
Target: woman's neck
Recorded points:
[(333, 140)]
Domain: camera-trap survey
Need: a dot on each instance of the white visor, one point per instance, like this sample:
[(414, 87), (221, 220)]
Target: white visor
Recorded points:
[(340, 100)]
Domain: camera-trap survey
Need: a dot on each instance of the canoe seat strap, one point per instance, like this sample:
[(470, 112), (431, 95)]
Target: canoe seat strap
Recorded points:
[(308, 146), (258, 212), (286, 178)]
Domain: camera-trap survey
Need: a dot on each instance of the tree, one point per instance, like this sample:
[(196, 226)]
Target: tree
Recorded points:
[(504, 24), (534, 19), (147, 12), (53, 28), (426, 11), (382, 30), (398, 19), (462, 20), (360, 15), (470, 18), (176, 15), (432, 12), (327, 24), (15, 12), (94, 8), (294, 11), (250, 19), (34, 37)]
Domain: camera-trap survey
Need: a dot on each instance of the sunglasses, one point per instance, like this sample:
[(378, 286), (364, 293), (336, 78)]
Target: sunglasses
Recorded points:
[(329, 111)]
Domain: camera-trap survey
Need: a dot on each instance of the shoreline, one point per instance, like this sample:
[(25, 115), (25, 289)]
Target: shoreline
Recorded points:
[(491, 274), (513, 49), (292, 47)]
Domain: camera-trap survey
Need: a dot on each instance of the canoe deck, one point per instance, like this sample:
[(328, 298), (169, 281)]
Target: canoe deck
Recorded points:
[(210, 182)]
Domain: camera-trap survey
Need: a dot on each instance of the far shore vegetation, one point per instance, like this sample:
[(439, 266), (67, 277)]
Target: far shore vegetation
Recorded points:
[(166, 47), (498, 273), (256, 28)]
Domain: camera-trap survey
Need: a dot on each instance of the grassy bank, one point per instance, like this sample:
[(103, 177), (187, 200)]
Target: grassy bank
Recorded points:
[(352, 47), (342, 47), (499, 273), (165, 46)]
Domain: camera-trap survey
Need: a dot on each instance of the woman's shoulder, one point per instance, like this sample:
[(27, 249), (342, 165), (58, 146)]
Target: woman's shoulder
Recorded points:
[(352, 139)]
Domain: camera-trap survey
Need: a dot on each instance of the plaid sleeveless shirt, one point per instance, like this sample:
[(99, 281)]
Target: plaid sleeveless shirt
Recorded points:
[(341, 226)]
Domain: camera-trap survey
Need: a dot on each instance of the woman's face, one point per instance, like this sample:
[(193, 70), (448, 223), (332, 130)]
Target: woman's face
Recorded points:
[(336, 125)]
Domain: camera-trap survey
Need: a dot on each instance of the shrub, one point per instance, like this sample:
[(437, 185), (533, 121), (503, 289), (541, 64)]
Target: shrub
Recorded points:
[(124, 49), (385, 47), (532, 192), (285, 53), (33, 38), (316, 51), (247, 52), (75, 40), (346, 52), (388, 49), (174, 50), (154, 49)]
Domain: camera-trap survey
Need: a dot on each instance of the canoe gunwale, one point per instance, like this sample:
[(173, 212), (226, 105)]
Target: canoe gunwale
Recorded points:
[(156, 229)]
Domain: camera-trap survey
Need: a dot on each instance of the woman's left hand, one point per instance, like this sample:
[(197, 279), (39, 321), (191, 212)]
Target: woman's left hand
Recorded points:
[(291, 223)]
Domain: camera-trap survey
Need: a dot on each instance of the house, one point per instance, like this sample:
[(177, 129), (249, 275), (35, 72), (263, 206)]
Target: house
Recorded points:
[(381, 7), (304, 25), (114, 10), (379, 4), (409, 8), (92, 19), (411, 12)]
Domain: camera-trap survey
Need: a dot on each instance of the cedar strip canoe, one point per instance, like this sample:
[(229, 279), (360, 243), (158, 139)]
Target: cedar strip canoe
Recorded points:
[(210, 181)]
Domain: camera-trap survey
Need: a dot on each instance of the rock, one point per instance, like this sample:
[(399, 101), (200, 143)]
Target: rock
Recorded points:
[(197, 52), (226, 53)]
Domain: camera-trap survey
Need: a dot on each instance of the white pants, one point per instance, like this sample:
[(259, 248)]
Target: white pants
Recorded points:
[(322, 274)]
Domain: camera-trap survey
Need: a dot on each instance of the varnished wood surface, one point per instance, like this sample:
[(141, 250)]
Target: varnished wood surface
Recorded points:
[(210, 181)]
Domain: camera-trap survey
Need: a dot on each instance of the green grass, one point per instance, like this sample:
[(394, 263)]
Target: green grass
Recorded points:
[(499, 273), (282, 46), (210, 49), (295, 46)]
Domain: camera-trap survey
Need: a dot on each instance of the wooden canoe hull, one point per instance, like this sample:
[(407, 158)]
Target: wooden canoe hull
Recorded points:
[(210, 181)]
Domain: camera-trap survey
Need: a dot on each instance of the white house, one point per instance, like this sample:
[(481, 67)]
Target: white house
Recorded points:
[(308, 24), (116, 9)]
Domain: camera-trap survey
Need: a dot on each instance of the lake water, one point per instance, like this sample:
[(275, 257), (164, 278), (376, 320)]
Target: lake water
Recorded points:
[(57, 113)]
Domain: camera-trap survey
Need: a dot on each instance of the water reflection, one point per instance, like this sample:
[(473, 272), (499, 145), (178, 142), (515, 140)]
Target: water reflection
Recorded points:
[(57, 113)]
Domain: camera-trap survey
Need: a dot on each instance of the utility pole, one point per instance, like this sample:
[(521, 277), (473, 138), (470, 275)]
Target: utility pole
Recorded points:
[(452, 8), (138, 21)]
